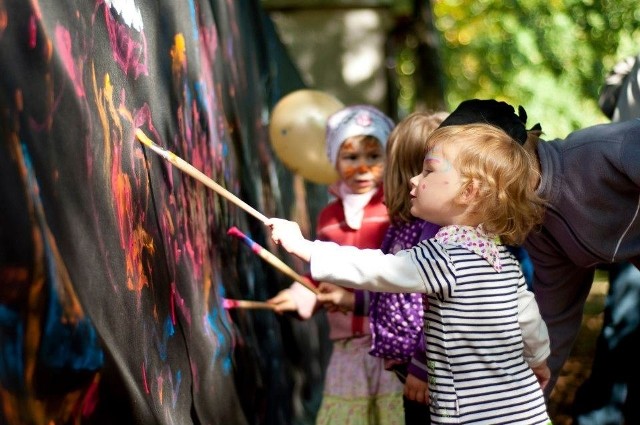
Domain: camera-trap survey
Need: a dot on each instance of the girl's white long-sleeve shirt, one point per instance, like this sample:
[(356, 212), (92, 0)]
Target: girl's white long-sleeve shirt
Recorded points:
[(474, 327)]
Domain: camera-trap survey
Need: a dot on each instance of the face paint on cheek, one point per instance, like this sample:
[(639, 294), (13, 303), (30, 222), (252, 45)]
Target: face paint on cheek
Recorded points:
[(363, 169), (349, 172), (377, 170)]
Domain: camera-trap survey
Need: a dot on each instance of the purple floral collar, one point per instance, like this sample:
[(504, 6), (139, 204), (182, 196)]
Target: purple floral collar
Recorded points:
[(474, 239)]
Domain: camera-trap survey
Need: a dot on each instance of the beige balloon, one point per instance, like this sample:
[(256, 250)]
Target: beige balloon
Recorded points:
[(297, 133)]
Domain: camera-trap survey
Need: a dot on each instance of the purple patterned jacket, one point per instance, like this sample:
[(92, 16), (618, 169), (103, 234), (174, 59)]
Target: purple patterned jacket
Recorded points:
[(396, 320)]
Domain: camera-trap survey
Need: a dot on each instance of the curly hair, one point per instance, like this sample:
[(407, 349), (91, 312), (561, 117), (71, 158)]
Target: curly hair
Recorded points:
[(501, 171), (404, 155)]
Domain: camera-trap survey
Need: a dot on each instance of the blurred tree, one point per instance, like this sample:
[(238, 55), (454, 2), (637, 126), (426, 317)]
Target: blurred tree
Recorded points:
[(413, 51), (549, 56)]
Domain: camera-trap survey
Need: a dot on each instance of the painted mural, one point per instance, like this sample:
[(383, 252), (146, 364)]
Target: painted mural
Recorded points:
[(114, 265)]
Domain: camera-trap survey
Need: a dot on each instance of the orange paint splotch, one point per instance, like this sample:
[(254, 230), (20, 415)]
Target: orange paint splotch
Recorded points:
[(178, 54), (141, 248)]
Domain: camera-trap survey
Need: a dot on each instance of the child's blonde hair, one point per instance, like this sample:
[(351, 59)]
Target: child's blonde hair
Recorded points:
[(404, 155), (501, 171)]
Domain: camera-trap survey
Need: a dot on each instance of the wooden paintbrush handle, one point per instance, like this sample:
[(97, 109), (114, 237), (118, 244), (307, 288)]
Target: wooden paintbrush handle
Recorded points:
[(189, 169), (272, 259), (247, 304)]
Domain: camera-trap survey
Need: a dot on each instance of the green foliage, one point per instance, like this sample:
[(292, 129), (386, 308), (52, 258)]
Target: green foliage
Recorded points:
[(551, 56)]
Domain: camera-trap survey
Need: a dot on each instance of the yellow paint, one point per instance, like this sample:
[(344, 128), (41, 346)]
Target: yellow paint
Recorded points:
[(143, 137), (178, 55), (112, 108), (102, 113)]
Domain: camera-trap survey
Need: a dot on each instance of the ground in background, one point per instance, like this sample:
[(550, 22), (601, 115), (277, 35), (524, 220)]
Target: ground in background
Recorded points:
[(578, 366)]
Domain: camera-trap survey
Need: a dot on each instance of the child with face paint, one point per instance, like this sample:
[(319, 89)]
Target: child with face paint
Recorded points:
[(357, 387), (396, 318), (475, 184)]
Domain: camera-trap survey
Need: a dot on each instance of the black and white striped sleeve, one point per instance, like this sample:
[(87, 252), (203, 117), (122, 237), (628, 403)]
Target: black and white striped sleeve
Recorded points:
[(435, 268)]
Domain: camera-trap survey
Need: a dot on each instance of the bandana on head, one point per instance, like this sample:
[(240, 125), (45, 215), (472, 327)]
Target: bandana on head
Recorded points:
[(357, 120), (475, 239)]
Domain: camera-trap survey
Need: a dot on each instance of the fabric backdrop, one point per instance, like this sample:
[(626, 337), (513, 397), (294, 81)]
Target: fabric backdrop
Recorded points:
[(114, 264)]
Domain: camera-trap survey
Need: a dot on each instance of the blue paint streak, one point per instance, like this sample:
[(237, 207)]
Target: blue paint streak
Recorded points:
[(214, 318), (168, 330), (63, 345), (188, 97), (11, 350), (194, 21), (201, 96)]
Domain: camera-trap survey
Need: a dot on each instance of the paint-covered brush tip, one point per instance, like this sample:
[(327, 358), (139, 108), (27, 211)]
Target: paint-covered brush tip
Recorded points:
[(234, 231), (227, 304), (143, 137)]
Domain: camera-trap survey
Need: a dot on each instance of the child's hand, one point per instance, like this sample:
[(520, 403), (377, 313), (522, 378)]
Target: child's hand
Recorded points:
[(416, 389), (543, 373), (284, 301), (335, 298), (287, 233)]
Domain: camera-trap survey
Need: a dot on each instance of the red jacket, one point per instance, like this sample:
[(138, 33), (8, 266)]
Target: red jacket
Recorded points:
[(332, 227)]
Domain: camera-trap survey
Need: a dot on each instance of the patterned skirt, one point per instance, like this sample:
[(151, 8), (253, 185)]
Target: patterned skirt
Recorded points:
[(358, 390)]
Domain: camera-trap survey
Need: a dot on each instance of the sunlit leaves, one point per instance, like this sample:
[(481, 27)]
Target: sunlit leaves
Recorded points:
[(549, 55)]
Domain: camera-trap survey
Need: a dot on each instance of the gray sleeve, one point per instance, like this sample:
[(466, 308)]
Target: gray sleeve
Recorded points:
[(561, 289), (630, 155)]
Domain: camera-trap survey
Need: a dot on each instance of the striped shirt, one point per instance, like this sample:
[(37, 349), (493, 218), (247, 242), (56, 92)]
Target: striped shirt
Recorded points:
[(477, 370)]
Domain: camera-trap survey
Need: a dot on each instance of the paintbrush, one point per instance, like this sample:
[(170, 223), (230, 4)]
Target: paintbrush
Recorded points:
[(246, 304), (189, 169), (272, 259)]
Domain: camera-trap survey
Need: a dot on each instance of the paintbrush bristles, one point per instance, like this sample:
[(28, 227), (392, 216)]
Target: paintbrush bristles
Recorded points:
[(157, 149), (234, 231)]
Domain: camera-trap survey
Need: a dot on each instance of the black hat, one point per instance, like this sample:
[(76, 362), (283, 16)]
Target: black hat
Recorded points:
[(490, 111)]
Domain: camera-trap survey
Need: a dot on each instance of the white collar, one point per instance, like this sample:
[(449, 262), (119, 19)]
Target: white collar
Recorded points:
[(353, 204)]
